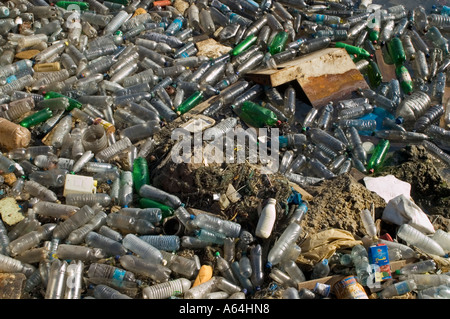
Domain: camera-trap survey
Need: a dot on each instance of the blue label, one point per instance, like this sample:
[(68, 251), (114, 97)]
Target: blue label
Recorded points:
[(402, 287), (118, 274), (184, 54), (11, 78), (320, 18)]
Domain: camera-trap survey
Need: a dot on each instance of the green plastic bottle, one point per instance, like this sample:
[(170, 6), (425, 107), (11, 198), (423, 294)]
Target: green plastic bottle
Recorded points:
[(374, 30), (72, 102), (166, 211), (141, 174), (37, 118), (396, 51), (404, 78), (351, 49), (278, 44), (190, 102), (374, 74), (70, 5), (255, 115), (378, 156), (244, 44)]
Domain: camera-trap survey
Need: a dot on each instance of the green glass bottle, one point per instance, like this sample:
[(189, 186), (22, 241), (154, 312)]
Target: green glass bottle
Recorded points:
[(166, 211), (404, 78), (70, 5), (244, 44), (378, 156), (72, 102), (396, 51), (374, 74), (37, 118), (141, 174), (278, 43), (190, 102), (351, 49), (255, 115)]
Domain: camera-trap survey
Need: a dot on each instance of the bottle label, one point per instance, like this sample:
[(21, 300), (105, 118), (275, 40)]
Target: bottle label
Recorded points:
[(11, 78), (402, 287), (349, 288), (118, 274)]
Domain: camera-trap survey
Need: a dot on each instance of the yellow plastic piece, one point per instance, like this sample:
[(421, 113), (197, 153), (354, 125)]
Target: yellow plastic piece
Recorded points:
[(204, 274)]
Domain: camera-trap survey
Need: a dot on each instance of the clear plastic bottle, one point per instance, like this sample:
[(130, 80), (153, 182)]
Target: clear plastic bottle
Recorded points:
[(78, 235), (397, 289), (200, 291), (163, 242), (145, 250), (108, 271), (180, 265), (166, 290), (106, 292), (37, 190), (78, 252), (418, 239), (368, 222), (419, 267), (56, 285), (160, 196), (321, 269), (360, 259), (225, 269), (108, 245), (442, 238), (74, 280), (79, 218), (89, 199), (431, 115), (12, 265), (31, 239), (108, 153), (213, 223), (131, 224), (287, 238), (292, 269)]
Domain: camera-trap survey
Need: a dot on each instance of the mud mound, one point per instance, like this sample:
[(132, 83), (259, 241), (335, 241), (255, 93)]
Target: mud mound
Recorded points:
[(337, 203)]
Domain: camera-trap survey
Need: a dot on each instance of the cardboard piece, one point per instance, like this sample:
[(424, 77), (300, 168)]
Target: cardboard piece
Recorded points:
[(327, 75)]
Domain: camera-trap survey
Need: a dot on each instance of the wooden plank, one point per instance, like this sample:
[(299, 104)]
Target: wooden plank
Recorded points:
[(326, 75), (387, 70)]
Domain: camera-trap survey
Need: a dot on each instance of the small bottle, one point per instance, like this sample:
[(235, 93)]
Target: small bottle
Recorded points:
[(266, 219), (398, 289), (418, 239), (368, 222), (106, 292), (321, 269)]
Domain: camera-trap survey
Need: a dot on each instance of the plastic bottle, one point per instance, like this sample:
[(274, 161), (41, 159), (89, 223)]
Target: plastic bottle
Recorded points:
[(216, 224), (145, 250), (139, 266), (287, 238), (424, 281), (167, 289), (108, 245), (397, 289), (360, 260), (431, 115), (419, 267), (442, 238), (200, 291), (224, 268), (56, 285), (321, 269), (368, 222), (31, 239), (418, 239)]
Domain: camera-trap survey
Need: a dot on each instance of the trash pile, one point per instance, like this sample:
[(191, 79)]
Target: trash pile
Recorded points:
[(223, 149)]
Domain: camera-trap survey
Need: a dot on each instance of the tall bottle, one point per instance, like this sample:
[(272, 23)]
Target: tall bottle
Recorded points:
[(214, 223), (420, 267), (418, 239), (145, 250), (282, 245)]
